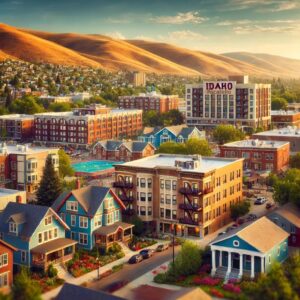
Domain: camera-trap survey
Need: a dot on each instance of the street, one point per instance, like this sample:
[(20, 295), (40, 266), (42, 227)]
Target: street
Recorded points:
[(132, 272)]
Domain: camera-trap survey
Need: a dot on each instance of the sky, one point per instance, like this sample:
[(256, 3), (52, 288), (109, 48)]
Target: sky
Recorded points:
[(218, 26)]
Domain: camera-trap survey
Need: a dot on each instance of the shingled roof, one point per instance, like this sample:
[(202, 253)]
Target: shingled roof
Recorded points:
[(133, 146), (262, 234), (290, 212)]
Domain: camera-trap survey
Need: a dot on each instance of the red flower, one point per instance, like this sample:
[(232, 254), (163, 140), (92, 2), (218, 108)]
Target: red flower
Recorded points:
[(216, 293)]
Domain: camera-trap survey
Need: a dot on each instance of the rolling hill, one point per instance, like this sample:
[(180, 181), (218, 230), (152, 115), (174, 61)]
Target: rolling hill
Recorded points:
[(101, 51)]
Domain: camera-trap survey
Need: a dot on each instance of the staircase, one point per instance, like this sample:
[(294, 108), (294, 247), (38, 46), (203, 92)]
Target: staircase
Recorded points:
[(62, 272), (234, 274), (221, 272), (125, 248)]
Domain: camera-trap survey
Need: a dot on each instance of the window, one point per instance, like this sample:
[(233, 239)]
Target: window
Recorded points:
[(83, 222), (142, 196), (73, 220), (149, 181), (46, 236), (162, 184), (83, 238), (98, 220), (48, 220), (149, 211), (269, 259), (63, 217), (142, 211), (23, 256), (174, 214), (174, 185), (142, 182), (168, 184), (278, 251), (162, 212), (40, 236), (3, 259), (13, 227), (4, 279), (236, 243), (55, 233), (174, 200), (109, 218), (149, 196), (72, 205)]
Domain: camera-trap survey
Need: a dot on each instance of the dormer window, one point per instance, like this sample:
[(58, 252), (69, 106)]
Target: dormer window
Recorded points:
[(48, 220), (72, 205), (13, 227)]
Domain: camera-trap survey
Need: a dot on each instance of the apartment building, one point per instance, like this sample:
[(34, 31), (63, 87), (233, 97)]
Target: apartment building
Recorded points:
[(17, 127), (150, 101), (84, 126), (236, 102), (22, 165), (259, 156), (287, 134), (282, 118), (190, 191)]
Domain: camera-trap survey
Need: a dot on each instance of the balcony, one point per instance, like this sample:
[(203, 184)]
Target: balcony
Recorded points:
[(123, 184), (188, 221), (189, 191), (208, 190), (126, 198), (188, 206)]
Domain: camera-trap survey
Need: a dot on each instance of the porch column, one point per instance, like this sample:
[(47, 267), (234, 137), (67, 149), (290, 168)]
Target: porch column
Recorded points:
[(220, 258), (241, 265), (252, 266), (262, 266), (229, 263), (213, 260)]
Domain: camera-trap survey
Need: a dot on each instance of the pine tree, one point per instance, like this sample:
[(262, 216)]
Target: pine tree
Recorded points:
[(50, 185)]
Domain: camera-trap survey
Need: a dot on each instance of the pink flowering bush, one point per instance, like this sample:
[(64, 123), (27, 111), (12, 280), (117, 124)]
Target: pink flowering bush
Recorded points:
[(205, 268), (216, 293), (233, 281), (230, 287), (209, 281)]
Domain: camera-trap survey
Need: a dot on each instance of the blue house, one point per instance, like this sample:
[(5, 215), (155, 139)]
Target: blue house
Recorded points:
[(249, 249), (38, 233), (94, 216), (179, 134)]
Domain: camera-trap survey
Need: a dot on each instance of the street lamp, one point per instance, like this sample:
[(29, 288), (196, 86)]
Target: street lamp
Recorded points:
[(98, 263)]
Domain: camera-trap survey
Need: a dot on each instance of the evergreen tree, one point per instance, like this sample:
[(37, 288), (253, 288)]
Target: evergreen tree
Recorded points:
[(50, 186)]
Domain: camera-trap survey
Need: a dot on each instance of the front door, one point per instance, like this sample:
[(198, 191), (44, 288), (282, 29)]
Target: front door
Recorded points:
[(235, 261)]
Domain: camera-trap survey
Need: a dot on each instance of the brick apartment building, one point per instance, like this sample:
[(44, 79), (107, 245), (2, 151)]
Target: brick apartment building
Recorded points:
[(21, 166), (259, 155), (281, 118), (150, 101), (87, 125), (122, 151), (235, 102), (17, 127), (286, 134), (191, 191)]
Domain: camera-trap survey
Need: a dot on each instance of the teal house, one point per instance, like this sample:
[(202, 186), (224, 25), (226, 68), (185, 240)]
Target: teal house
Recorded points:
[(178, 133), (250, 249), (94, 216), (38, 233)]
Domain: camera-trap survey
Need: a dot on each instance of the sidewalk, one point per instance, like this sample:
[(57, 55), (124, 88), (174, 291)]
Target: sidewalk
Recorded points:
[(91, 276)]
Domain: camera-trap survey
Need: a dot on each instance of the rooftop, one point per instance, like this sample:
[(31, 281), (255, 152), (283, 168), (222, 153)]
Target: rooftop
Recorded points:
[(23, 149), (6, 192), (188, 163), (290, 212), (256, 144), (284, 112), (286, 131), (17, 117)]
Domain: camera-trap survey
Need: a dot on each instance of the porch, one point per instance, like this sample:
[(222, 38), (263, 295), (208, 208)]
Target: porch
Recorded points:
[(234, 263), (54, 252), (105, 236)]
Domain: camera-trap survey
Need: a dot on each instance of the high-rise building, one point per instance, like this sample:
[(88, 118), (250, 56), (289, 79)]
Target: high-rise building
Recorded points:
[(236, 102), (150, 101), (193, 192), (86, 125)]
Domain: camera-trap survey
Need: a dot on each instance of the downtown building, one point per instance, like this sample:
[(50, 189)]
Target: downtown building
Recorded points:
[(84, 126), (236, 101), (150, 101), (193, 192)]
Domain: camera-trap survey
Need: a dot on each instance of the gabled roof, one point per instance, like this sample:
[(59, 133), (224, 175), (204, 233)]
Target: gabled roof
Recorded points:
[(136, 146), (89, 197), (185, 132), (133, 146), (76, 292), (290, 212), (29, 215), (176, 130), (262, 234), (8, 245)]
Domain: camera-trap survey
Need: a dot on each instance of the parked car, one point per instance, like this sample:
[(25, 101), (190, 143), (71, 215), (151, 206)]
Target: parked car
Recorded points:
[(240, 221), (269, 205), (260, 200), (162, 247), (221, 233), (251, 217), (135, 259), (146, 253)]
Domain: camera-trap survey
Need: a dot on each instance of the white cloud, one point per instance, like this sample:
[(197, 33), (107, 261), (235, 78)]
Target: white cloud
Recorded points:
[(234, 22), (248, 29), (183, 35), (286, 5), (192, 17), (116, 35), (144, 38)]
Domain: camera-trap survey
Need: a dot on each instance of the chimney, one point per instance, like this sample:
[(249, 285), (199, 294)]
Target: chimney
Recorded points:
[(19, 199), (77, 184)]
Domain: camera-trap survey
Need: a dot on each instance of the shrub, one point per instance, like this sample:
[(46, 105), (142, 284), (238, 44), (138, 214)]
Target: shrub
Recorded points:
[(205, 268), (117, 268), (230, 287), (76, 256), (209, 281), (161, 278), (197, 280), (216, 293), (114, 248), (51, 271)]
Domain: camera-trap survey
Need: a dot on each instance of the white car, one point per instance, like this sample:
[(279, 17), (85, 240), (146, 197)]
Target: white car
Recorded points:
[(260, 200)]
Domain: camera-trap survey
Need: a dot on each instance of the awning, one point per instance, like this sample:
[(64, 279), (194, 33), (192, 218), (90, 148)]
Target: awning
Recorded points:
[(53, 246), (111, 229)]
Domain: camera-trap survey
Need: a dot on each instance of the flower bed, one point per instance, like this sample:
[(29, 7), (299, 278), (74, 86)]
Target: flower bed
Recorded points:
[(137, 244), (87, 261), (45, 282)]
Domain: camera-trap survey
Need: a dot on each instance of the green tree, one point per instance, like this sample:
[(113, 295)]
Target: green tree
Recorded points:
[(279, 103), (295, 161), (65, 167), (188, 260), (198, 146), (50, 186), (59, 107), (227, 133), (292, 270), (24, 288), (172, 148), (239, 209), (172, 117), (26, 105)]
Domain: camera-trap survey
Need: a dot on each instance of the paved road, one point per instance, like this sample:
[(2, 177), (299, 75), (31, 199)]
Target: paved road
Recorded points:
[(132, 272)]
